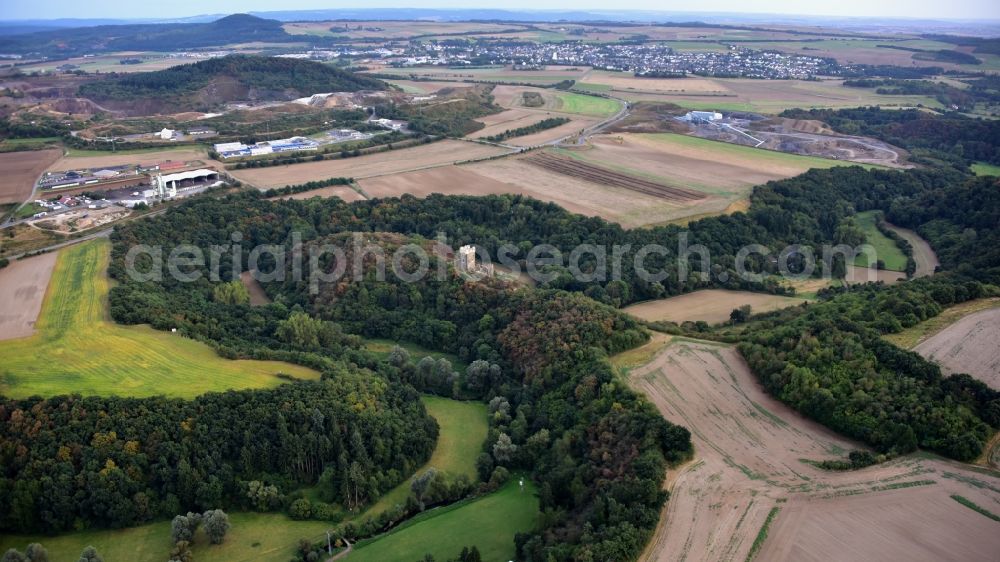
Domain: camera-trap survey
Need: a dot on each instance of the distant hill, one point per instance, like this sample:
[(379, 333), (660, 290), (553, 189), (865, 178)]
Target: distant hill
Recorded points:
[(237, 28), (210, 83)]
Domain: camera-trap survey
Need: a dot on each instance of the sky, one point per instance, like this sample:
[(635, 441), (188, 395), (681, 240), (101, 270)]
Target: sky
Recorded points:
[(49, 9)]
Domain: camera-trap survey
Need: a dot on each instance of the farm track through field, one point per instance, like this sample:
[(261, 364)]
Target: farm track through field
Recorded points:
[(603, 176)]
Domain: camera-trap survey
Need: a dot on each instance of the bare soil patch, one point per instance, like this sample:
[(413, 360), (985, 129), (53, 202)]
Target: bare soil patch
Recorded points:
[(968, 346), (22, 290), (257, 295), (749, 451), (709, 305), (20, 170), (602, 176), (379, 164)]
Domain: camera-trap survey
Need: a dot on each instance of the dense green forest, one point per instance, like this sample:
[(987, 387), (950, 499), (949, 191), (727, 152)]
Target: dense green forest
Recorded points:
[(268, 77), (951, 134), (70, 461)]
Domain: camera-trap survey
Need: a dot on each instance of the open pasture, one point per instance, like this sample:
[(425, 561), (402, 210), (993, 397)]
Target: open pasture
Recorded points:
[(886, 249), (371, 165), (22, 289), (489, 522), (968, 346), (20, 170), (463, 428), (749, 458), (708, 305), (78, 349)]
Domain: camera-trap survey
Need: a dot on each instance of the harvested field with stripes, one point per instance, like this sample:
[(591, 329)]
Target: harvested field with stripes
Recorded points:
[(602, 176)]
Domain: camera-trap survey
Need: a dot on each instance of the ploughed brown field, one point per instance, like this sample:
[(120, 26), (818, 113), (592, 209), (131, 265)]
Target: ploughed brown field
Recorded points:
[(21, 170), (22, 290), (749, 453), (418, 157), (970, 345), (603, 176)]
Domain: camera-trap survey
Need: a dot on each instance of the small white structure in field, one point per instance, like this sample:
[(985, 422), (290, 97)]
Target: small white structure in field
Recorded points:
[(167, 134)]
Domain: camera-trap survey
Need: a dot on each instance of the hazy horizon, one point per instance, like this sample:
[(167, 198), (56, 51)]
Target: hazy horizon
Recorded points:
[(889, 9)]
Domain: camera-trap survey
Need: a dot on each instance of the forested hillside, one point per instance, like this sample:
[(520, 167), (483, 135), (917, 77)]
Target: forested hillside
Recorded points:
[(234, 77), (237, 28), (70, 461)]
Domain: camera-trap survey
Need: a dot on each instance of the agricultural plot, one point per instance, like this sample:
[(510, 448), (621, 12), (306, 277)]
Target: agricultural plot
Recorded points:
[(596, 174), (709, 305), (342, 191), (112, 63), (516, 118), (371, 165), (77, 349), (750, 452), (856, 274), (546, 76), (968, 346), (722, 173), (552, 100), (80, 159), (489, 522), (21, 171), (22, 289), (775, 96)]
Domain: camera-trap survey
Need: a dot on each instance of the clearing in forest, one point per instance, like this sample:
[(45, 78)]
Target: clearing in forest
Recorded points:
[(708, 305)]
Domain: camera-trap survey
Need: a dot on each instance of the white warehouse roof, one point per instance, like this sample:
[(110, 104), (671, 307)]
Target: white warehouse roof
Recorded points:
[(189, 175)]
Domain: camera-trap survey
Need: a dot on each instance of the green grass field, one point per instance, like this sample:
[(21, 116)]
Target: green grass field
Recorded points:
[(885, 248), (81, 152), (464, 427), (583, 104), (76, 348), (489, 523), (984, 169)]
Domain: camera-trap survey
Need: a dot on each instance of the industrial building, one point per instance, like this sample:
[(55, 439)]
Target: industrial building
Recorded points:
[(238, 149), (702, 116)]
